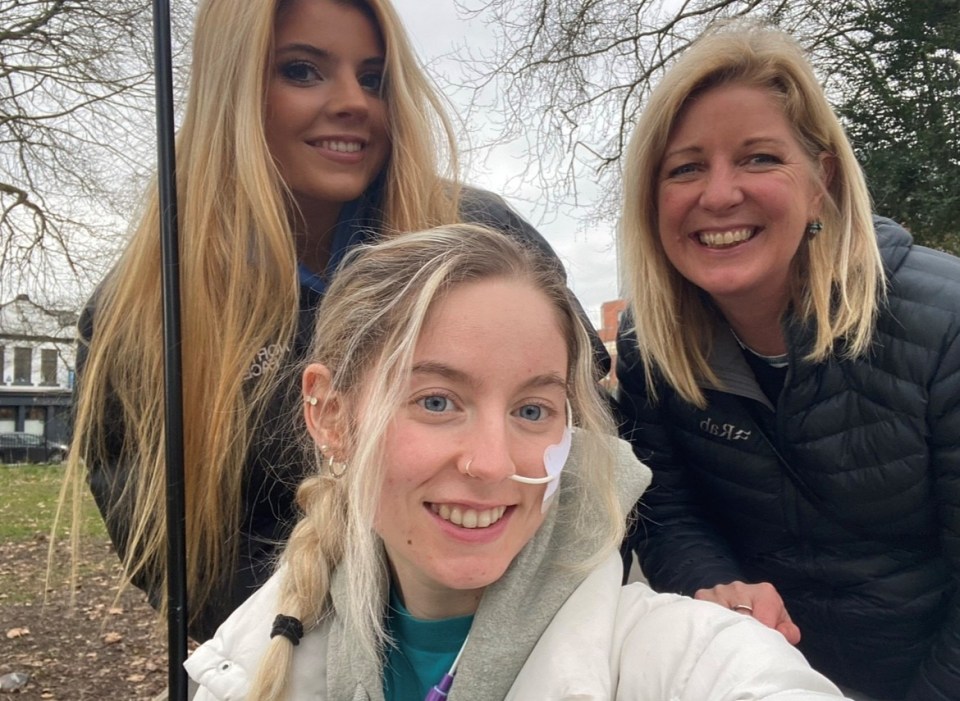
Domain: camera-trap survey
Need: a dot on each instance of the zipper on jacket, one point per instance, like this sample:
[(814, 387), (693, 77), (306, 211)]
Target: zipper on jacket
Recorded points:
[(788, 488)]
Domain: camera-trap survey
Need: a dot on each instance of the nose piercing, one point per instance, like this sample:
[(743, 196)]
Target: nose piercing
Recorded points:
[(466, 469)]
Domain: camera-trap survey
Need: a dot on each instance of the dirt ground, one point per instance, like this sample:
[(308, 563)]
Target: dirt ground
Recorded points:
[(103, 648)]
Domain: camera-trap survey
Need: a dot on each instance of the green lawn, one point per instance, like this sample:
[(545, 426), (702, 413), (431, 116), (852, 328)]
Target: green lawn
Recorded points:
[(29, 502)]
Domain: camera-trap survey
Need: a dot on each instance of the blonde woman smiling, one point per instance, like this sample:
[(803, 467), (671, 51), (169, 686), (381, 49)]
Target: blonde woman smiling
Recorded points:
[(791, 374), (309, 127), (460, 533)]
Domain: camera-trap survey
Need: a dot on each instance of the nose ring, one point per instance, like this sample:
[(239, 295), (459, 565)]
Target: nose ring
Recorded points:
[(466, 469)]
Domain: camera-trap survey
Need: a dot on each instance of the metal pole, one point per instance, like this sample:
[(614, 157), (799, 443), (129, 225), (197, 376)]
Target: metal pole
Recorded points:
[(170, 253)]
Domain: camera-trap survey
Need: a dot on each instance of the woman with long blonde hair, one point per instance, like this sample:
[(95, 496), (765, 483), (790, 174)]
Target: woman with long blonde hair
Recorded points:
[(461, 527), (309, 127)]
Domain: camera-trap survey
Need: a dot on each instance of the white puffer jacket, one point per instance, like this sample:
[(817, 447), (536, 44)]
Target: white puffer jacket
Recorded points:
[(542, 632)]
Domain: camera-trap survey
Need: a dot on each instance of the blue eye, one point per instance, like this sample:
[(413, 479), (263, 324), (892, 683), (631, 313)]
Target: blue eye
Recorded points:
[(372, 82), (764, 159), (680, 171), (531, 412), (435, 403), (299, 72)]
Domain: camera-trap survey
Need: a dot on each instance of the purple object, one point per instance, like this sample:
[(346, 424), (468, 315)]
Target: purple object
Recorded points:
[(440, 691)]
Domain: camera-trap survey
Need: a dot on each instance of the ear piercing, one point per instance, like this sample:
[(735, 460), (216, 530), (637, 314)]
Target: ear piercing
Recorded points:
[(312, 401), (336, 468)]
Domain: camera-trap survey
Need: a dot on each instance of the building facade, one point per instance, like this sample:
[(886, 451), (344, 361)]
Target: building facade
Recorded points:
[(37, 358), (610, 314)]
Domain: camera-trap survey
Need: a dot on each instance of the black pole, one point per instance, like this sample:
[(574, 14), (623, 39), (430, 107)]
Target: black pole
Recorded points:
[(173, 416)]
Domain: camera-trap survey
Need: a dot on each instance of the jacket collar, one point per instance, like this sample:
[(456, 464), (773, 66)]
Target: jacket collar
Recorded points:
[(734, 374)]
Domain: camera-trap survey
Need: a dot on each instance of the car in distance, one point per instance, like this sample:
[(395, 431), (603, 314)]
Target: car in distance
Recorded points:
[(29, 447)]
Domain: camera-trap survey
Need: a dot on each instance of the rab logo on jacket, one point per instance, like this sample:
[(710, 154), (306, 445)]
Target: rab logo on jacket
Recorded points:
[(727, 431)]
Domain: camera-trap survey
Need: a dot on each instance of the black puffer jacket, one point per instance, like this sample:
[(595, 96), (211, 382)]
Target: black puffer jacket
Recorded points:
[(845, 496), (275, 463)]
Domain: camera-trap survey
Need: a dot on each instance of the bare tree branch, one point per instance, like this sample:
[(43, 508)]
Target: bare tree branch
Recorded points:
[(569, 78), (76, 132)]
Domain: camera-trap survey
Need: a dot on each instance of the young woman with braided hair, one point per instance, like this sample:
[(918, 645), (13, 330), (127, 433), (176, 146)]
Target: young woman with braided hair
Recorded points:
[(460, 534)]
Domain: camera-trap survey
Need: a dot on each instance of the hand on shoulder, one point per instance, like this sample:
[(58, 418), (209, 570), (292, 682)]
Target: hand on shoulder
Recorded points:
[(761, 601)]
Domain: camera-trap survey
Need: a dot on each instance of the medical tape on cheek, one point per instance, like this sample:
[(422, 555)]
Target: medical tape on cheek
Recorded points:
[(554, 460)]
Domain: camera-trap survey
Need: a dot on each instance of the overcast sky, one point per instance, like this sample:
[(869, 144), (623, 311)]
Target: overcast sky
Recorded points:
[(588, 252)]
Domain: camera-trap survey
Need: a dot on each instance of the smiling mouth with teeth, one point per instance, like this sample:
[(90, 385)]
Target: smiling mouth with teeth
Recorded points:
[(469, 518), (342, 146), (725, 239)]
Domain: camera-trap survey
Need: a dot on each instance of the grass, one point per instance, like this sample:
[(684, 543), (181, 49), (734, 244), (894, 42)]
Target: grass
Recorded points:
[(30, 494)]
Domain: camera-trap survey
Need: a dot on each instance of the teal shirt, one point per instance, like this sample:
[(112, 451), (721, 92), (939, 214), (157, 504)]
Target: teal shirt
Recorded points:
[(423, 653)]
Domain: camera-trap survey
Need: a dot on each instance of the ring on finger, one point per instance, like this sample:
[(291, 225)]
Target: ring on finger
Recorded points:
[(745, 608)]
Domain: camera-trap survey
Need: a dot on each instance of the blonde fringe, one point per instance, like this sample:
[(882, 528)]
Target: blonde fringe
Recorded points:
[(838, 280)]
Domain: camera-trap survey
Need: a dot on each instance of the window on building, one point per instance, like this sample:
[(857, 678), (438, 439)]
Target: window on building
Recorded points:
[(8, 419), (35, 420), (3, 365), (48, 366), (22, 366)]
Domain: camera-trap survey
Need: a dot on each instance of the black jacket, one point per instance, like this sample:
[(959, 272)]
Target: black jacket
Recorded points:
[(275, 464), (845, 495)]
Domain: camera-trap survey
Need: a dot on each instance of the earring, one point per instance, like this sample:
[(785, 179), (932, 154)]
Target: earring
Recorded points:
[(336, 468), (814, 228), (312, 401)]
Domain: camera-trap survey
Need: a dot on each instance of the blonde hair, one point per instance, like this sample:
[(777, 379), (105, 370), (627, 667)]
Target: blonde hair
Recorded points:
[(239, 286), (367, 330), (837, 280)]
